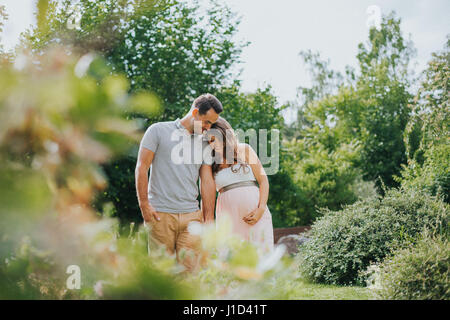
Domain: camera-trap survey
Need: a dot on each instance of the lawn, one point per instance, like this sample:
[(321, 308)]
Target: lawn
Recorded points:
[(304, 290)]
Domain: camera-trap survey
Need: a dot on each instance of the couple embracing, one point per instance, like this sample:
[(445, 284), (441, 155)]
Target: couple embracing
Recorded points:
[(200, 145)]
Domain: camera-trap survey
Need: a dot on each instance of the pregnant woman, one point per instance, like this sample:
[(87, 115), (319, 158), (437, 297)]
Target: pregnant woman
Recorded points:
[(243, 187)]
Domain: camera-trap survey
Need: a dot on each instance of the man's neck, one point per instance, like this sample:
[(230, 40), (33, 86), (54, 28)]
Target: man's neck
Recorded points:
[(187, 123)]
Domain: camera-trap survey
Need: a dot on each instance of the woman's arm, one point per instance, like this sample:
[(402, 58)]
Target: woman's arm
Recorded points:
[(260, 174)]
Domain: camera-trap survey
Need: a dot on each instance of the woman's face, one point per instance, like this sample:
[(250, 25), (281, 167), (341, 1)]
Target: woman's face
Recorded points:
[(216, 143), (217, 138)]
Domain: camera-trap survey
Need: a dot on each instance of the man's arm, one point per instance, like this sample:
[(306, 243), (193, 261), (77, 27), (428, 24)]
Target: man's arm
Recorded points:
[(144, 160), (208, 193)]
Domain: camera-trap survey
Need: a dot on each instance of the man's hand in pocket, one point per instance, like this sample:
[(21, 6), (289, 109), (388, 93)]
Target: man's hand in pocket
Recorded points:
[(148, 212)]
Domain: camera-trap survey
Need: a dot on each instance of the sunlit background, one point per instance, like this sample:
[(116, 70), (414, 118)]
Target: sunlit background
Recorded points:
[(360, 196)]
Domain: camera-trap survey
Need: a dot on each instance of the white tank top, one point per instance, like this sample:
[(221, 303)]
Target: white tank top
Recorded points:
[(226, 177)]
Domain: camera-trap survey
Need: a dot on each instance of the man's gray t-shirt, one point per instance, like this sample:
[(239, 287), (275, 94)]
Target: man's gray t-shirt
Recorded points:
[(175, 168)]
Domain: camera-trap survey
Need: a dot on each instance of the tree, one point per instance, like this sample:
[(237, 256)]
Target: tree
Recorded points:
[(3, 18), (427, 132), (352, 127), (324, 82), (4, 56), (382, 86), (431, 106), (324, 156), (176, 49)]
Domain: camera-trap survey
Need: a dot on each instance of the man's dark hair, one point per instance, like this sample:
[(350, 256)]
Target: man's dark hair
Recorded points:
[(207, 101)]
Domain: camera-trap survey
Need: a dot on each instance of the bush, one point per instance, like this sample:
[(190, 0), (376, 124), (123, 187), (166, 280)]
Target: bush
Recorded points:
[(417, 272), (347, 241)]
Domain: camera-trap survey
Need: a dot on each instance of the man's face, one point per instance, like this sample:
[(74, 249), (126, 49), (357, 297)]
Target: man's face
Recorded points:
[(206, 120)]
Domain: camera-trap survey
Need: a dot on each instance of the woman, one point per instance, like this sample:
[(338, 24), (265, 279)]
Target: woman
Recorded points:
[(238, 172)]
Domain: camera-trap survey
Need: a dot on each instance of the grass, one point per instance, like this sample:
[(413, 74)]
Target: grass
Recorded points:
[(303, 290)]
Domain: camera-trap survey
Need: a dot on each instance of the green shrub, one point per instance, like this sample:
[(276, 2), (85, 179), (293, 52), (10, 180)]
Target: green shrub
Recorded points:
[(417, 272), (347, 241)]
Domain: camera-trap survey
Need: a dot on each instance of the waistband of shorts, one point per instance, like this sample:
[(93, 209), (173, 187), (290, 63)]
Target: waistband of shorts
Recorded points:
[(176, 212)]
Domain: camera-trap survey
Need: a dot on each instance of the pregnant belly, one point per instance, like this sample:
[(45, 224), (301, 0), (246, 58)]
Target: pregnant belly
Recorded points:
[(238, 201)]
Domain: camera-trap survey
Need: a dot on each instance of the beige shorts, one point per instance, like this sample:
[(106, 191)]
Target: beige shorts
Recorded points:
[(172, 232)]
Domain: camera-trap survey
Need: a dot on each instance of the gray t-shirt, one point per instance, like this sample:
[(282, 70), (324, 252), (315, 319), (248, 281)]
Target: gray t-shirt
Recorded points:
[(175, 167)]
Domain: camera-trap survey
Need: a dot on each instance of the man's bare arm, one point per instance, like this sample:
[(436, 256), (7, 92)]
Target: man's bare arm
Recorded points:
[(208, 193), (144, 160)]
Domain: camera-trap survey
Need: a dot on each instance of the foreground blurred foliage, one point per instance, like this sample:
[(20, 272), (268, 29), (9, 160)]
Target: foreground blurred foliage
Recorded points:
[(61, 117)]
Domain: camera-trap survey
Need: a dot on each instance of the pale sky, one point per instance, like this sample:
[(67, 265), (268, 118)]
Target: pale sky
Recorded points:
[(279, 30)]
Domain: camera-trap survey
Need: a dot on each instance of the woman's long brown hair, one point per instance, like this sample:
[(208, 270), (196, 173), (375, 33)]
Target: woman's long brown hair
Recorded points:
[(224, 127)]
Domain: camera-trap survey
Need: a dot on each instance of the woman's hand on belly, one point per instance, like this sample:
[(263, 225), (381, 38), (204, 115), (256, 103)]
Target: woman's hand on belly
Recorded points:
[(254, 216)]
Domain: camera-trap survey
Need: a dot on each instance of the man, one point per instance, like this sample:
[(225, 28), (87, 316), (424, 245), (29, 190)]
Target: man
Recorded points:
[(169, 202)]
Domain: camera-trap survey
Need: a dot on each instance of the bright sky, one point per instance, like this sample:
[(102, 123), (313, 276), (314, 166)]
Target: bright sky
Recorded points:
[(279, 30)]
